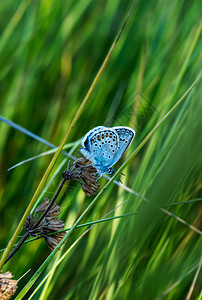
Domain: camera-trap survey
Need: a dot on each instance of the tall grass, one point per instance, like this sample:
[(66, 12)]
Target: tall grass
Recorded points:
[(50, 52)]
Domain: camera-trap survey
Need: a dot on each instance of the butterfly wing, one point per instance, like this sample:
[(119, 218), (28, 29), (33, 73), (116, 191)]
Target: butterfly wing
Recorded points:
[(125, 137), (100, 146), (104, 146), (86, 138)]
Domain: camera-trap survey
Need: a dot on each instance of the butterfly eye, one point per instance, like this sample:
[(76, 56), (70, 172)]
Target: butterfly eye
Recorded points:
[(110, 171)]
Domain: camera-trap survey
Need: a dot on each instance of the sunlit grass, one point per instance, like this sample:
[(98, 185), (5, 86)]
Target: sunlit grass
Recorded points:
[(50, 53)]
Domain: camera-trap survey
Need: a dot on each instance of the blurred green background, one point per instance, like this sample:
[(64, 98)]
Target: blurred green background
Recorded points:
[(50, 51)]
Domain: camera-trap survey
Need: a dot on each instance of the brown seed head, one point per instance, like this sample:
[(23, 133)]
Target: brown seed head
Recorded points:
[(50, 224), (8, 286), (83, 171)]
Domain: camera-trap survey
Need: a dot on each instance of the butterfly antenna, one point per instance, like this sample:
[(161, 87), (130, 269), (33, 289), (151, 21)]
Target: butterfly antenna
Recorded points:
[(120, 180)]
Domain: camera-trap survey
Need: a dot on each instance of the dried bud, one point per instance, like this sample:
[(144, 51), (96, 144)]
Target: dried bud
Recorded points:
[(52, 213), (85, 174), (29, 223), (42, 207), (53, 225), (89, 190), (48, 225), (8, 286), (53, 240)]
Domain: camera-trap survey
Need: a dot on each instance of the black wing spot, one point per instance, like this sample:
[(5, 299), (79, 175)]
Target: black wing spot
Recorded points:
[(86, 144)]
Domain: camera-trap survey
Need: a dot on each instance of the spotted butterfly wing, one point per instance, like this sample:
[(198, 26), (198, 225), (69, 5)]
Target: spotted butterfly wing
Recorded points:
[(125, 137), (104, 146), (100, 146), (90, 133), (86, 150)]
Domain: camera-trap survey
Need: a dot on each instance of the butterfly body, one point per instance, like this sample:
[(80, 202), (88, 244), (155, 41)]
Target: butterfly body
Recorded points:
[(104, 146)]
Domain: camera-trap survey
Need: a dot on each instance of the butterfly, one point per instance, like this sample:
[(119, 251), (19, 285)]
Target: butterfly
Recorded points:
[(104, 146)]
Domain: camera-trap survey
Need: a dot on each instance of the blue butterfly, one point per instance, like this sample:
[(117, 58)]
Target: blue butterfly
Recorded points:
[(104, 146)]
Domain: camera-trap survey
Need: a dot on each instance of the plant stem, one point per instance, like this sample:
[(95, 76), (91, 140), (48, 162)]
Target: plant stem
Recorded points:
[(39, 220), (21, 242), (51, 204)]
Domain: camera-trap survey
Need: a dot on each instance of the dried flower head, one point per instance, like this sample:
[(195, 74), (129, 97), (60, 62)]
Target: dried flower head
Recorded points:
[(50, 224), (53, 212), (8, 286), (83, 171)]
